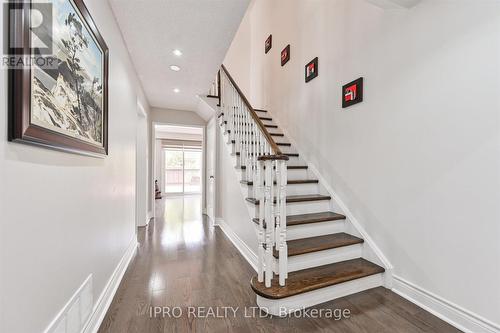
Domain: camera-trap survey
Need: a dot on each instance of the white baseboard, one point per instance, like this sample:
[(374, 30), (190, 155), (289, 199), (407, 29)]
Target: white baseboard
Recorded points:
[(106, 297), (245, 251), (150, 216), (453, 314)]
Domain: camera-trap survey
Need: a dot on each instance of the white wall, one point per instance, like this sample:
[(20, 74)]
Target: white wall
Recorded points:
[(231, 206), (66, 216), (176, 117), (418, 162)]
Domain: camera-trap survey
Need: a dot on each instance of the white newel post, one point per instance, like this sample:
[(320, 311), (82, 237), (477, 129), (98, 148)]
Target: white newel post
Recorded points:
[(281, 229), (262, 240), (268, 212)]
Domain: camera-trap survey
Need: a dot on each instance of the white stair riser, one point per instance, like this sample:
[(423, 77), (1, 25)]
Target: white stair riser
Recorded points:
[(297, 208), (307, 207), (320, 258), (293, 160), (297, 174), (299, 189), (281, 307), (291, 174), (315, 229)]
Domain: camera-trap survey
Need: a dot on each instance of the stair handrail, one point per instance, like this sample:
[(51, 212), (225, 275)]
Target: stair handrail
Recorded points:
[(265, 167), (255, 117)]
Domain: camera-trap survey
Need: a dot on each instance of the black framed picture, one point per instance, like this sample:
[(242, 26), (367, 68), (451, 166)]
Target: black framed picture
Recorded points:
[(311, 69), (269, 43), (285, 55), (352, 93), (61, 100)]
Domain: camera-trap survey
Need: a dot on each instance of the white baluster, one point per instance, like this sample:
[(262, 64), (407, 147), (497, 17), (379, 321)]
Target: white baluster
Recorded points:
[(281, 228), (269, 177), (248, 144)]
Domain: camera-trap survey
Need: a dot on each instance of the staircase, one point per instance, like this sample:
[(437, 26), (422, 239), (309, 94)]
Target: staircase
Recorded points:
[(309, 252)]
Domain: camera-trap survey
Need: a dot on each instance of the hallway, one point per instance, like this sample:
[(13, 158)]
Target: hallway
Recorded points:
[(179, 264)]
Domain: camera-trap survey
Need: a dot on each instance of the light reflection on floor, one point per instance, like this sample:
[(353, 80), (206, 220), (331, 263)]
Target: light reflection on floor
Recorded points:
[(183, 221)]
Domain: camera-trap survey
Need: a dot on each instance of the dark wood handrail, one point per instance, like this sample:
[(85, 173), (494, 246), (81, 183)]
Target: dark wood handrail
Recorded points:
[(254, 115)]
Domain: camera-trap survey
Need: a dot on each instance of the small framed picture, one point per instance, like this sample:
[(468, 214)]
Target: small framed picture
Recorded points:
[(269, 43), (285, 55), (312, 69), (352, 93)]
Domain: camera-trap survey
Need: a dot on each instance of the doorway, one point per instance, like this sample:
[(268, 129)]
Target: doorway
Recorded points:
[(179, 161), (183, 169)]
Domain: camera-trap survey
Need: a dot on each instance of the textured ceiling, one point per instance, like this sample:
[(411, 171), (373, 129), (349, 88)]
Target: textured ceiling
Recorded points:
[(390, 4), (201, 29)]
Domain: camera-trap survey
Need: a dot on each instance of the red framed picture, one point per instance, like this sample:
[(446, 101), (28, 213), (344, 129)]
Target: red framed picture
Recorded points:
[(311, 69), (269, 43), (285, 55), (352, 93)]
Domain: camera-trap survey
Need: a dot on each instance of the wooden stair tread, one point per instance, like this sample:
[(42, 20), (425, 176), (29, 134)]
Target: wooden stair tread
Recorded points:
[(272, 134), (266, 118), (278, 143), (289, 182), (265, 125), (292, 220), (310, 279), (260, 110), (313, 218), (319, 243), (297, 198), (286, 154), (297, 167), (289, 167), (212, 96)]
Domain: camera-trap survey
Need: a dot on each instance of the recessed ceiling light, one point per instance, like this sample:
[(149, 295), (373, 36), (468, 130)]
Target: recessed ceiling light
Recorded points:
[(177, 52), (175, 68), (176, 90)]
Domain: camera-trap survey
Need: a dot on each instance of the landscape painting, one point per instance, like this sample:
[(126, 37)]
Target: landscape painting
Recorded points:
[(68, 99)]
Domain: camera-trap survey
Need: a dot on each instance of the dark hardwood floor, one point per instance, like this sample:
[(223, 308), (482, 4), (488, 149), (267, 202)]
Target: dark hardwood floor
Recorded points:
[(182, 262)]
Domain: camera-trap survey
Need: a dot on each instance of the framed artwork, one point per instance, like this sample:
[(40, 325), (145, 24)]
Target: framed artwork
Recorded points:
[(285, 55), (352, 93), (60, 100), (312, 69), (269, 43)]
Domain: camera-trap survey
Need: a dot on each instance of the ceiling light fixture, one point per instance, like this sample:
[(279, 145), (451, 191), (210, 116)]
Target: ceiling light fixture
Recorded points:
[(177, 52), (176, 90), (175, 68)]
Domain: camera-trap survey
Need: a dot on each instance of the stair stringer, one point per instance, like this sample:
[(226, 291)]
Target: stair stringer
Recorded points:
[(370, 249)]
